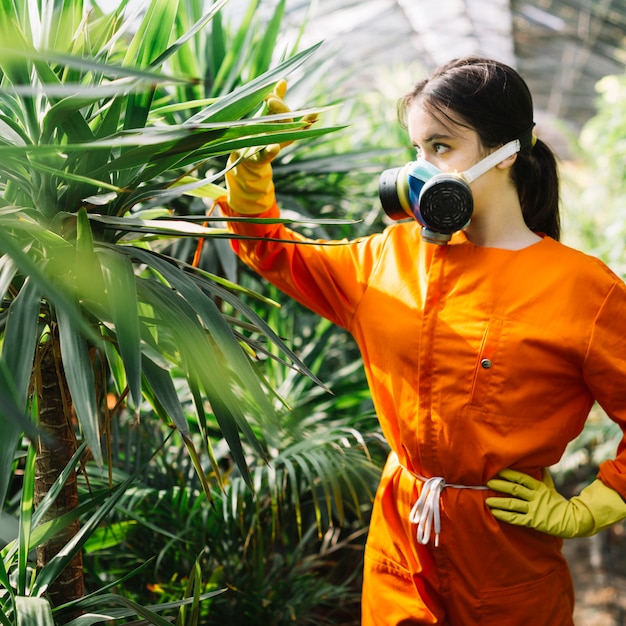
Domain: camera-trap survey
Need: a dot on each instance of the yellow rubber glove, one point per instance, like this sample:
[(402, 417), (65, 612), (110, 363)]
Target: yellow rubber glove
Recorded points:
[(249, 183), (537, 504), (250, 186)]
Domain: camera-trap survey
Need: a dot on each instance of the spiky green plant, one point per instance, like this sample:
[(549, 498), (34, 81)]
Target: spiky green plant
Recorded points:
[(90, 157), (288, 551)]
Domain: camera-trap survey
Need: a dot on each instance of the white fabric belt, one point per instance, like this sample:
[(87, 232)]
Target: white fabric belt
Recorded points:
[(426, 511)]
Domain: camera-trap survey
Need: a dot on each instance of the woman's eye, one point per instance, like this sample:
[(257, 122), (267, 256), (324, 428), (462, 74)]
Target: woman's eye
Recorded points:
[(435, 148)]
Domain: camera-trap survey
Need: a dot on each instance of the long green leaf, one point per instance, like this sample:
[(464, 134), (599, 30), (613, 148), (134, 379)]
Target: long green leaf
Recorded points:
[(26, 515), (18, 351), (152, 37), (132, 608), (187, 226), (295, 490), (190, 615), (227, 413), (197, 463), (73, 123), (233, 57), (71, 177), (87, 272), (119, 279), (15, 69), (13, 422), (153, 34), (164, 391), (187, 59), (33, 611), (189, 33), (20, 336), (8, 270), (176, 140), (267, 47), (59, 482), (61, 25), (216, 50), (202, 421), (80, 380), (43, 532), (133, 75), (109, 124)]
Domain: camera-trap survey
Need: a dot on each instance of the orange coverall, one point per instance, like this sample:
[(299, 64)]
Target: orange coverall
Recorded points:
[(478, 359)]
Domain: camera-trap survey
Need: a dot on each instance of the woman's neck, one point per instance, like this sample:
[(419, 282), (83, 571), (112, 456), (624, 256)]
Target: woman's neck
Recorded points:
[(501, 225)]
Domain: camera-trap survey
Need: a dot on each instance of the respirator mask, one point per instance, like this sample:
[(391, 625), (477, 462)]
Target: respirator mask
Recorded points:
[(441, 202)]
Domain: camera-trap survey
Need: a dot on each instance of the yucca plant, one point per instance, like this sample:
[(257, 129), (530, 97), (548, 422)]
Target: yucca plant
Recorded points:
[(90, 157), (291, 549)]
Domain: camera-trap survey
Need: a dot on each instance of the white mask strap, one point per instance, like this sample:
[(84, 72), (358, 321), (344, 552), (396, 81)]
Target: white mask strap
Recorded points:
[(502, 153)]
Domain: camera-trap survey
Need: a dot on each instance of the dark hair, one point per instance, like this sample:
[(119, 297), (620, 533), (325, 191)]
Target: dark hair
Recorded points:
[(494, 100)]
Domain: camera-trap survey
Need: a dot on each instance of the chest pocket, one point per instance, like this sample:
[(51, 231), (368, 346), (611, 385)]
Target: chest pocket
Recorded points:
[(488, 367), (525, 369)]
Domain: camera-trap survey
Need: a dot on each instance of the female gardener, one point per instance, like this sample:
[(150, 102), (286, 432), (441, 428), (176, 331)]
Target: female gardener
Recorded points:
[(484, 355)]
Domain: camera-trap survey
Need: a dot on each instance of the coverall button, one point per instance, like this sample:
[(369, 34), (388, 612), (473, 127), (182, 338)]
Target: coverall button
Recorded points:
[(486, 363)]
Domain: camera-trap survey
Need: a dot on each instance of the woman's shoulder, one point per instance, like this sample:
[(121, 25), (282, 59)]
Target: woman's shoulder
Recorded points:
[(578, 262), (394, 235)]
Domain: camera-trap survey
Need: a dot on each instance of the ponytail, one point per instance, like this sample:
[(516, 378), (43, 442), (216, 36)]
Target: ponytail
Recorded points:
[(536, 179), (494, 100)]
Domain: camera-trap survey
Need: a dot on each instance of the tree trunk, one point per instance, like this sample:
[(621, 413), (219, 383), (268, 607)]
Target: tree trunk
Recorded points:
[(55, 419)]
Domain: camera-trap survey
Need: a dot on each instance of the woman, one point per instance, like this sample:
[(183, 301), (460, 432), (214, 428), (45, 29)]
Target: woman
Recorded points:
[(483, 355)]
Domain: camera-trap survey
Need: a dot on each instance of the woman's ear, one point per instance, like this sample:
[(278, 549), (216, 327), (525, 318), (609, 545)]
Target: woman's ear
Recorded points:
[(507, 163)]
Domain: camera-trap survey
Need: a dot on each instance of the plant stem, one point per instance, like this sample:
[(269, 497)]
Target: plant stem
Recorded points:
[(55, 419)]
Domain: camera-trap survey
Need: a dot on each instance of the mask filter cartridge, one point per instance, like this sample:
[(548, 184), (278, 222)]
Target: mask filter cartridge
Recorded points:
[(441, 202)]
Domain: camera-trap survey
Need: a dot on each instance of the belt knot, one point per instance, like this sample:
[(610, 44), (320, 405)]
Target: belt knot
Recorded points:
[(426, 511)]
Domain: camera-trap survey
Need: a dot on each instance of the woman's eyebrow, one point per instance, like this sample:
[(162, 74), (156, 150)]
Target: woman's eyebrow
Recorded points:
[(437, 137)]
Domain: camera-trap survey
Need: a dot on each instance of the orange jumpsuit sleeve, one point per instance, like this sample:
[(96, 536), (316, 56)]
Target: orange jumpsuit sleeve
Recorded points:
[(327, 277), (605, 375)]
